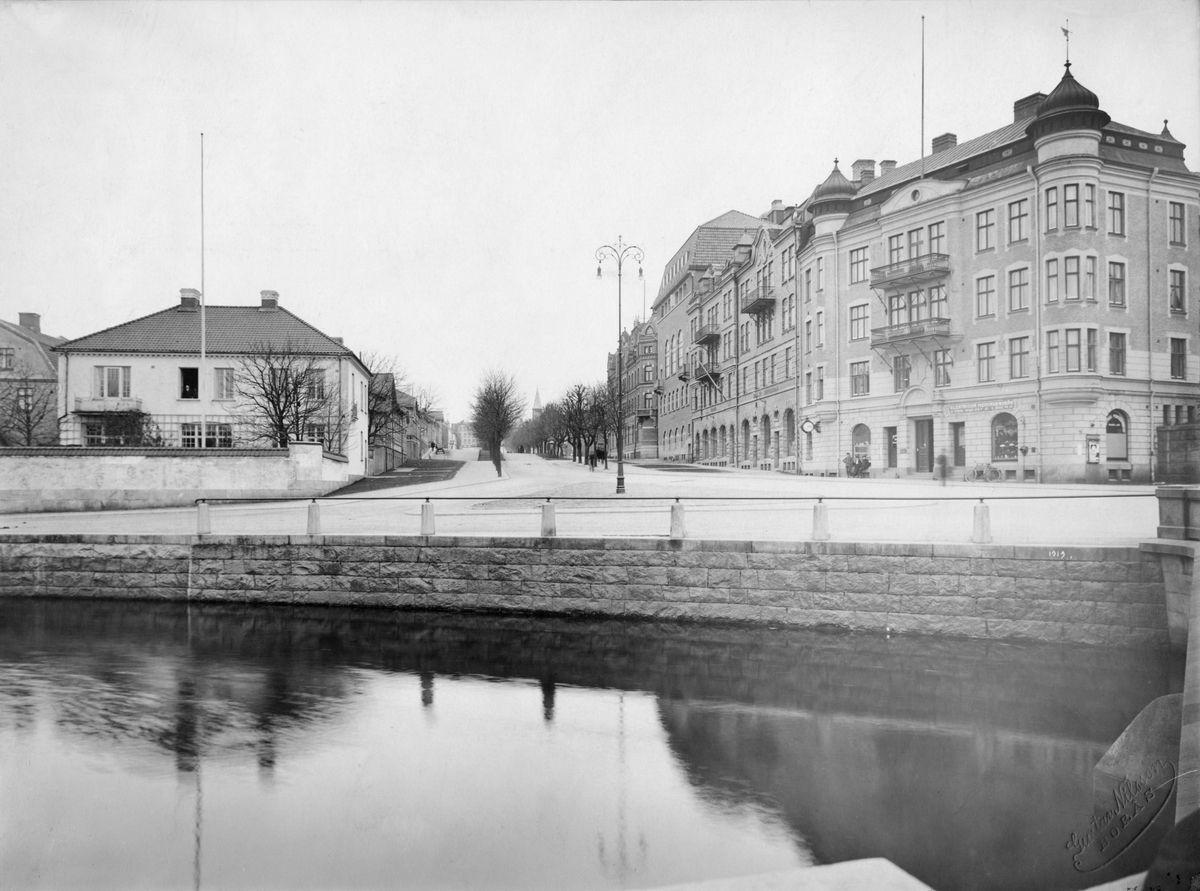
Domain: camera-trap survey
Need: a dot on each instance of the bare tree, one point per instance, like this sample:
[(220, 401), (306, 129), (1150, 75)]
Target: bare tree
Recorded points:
[(496, 411), (284, 395), (27, 409)]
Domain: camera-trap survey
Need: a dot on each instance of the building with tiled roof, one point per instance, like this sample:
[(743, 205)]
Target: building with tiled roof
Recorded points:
[(145, 382), (1024, 300), (28, 380)]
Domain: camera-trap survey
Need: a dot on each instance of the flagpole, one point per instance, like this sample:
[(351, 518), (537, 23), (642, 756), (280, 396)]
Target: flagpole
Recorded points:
[(922, 97), (200, 383)]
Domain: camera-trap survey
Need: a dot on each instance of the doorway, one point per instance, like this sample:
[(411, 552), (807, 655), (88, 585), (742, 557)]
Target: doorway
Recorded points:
[(889, 434), (923, 439), (958, 436)]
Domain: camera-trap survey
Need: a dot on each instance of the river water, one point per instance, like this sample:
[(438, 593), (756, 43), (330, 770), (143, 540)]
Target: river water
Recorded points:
[(148, 745)]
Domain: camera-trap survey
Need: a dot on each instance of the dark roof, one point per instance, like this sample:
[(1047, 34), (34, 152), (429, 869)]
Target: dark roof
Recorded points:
[(710, 244), (835, 187), (229, 330)]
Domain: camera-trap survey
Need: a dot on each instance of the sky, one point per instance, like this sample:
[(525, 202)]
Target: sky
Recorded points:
[(431, 180)]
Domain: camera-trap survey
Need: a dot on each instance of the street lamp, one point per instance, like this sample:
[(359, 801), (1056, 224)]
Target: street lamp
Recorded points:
[(619, 252)]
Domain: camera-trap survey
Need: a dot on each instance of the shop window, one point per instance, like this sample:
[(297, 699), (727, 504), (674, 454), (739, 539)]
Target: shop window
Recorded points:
[(1004, 437)]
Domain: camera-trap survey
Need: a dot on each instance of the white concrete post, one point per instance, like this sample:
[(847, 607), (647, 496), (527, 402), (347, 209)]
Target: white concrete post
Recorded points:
[(314, 518), (203, 526), (548, 525), (820, 521), (982, 532), (427, 527), (677, 527)]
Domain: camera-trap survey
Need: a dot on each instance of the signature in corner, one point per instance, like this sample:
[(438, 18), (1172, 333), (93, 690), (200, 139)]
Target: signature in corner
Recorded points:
[(1136, 802)]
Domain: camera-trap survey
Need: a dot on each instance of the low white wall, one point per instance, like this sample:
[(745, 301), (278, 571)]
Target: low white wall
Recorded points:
[(62, 479)]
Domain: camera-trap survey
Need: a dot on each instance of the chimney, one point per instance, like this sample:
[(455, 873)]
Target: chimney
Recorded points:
[(886, 167), (270, 300), (189, 300), (337, 340), (943, 142), (864, 170), (1027, 107), (30, 320)]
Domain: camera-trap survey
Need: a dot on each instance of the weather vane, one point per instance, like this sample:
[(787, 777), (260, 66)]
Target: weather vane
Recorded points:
[(1067, 34)]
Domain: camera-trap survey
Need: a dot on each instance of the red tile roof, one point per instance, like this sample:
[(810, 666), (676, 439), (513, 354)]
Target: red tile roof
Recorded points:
[(229, 330)]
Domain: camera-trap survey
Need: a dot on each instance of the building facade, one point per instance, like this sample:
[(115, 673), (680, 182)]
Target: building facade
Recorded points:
[(28, 381), (143, 382), (1025, 300)]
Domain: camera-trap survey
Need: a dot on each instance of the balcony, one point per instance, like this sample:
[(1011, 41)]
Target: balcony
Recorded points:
[(90, 405), (708, 371), (909, 272), (707, 334), (908, 332), (758, 300), (643, 413)]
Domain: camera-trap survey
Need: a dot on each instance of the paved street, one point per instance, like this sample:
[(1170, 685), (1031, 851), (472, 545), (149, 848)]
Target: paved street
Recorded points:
[(476, 502)]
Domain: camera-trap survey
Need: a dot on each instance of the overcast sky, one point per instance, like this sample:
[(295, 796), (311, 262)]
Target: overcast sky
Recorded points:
[(432, 180)]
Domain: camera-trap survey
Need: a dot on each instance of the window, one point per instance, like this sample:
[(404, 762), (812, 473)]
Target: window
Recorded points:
[(1018, 220), (859, 320), (985, 230), (769, 364), (1178, 358), (1018, 357), (808, 336), (937, 238), (820, 327), (916, 243), (6, 357), (1071, 205), (820, 273), (1052, 281), (1116, 284), (189, 383), (860, 378), (819, 384), (937, 302), (24, 399), (985, 296), (942, 361), (1005, 434), (1051, 208), (1018, 290), (1116, 213), (1116, 353), (918, 308), (111, 381), (1089, 206), (1116, 429), (1073, 349), (808, 396), (315, 432), (858, 266), (897, 310), (189, 434), (1091, 349), (1089, 278), (316, 384), (1071, 267), (223, 383), (895, 248), (787, 362), (757, 375), (1177, 227), (647, 374), (807, 285), (1052, 352), (985, 359), (900, 373), (1178, 291)]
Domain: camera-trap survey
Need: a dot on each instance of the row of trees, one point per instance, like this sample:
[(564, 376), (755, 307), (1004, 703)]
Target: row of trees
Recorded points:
[(584, 417)]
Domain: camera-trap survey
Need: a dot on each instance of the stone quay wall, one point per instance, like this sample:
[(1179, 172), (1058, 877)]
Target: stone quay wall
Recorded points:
[(1108, 596)]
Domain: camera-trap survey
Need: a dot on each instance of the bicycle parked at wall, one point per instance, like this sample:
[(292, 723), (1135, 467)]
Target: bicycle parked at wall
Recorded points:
[(984, 472)]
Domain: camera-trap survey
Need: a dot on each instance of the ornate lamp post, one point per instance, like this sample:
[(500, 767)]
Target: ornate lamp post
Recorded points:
[(619, 252)]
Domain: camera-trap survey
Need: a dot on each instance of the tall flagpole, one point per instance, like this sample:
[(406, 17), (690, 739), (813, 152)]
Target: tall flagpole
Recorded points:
[(200, 383), (922, 97)]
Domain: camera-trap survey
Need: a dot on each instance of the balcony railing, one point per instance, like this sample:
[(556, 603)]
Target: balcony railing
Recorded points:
[(101, 404), (910, 331), (907, 272), (708, 371), (707, 334), (758, 300)]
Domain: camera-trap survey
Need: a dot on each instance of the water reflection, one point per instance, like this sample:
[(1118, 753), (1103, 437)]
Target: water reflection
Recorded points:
[(231, 747)]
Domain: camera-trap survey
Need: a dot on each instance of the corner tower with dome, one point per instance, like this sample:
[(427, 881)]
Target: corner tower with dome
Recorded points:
[(1025, 299)]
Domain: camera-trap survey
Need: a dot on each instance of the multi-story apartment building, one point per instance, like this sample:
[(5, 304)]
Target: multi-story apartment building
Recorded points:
[(1024, 299), (639, 388)]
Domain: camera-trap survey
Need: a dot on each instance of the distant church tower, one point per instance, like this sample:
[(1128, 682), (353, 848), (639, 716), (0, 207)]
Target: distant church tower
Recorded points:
[(537, 404)]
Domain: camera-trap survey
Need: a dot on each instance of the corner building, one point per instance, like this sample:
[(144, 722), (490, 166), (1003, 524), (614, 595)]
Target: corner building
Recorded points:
[(1023, 300)]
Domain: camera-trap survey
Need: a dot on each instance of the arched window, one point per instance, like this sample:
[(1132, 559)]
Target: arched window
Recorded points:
[(861, 438), (1117, 430), (1004, 437)]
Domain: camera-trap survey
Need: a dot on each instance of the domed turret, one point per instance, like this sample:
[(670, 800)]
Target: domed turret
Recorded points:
[(1071, 106), (832, 196)]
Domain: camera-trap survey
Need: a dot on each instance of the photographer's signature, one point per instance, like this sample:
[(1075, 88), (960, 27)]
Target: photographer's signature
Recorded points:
[(1136, 802)]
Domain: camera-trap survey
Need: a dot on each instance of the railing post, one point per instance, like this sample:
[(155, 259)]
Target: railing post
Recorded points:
[(203, 526), (314, 518), (820, 521), (982, 531), (548, 526), (427, 525), (677, 527)]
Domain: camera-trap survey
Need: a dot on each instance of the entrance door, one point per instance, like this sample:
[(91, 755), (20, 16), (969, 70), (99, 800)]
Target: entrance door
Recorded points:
[(958, 432), (889, 434), (924, 442)]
